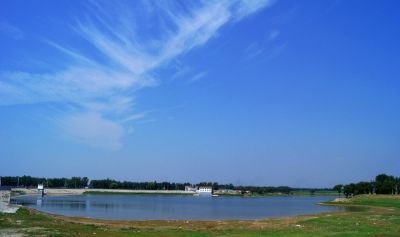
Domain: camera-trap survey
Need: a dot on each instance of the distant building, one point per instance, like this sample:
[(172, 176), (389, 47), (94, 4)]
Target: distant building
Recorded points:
[(228, 191), (204, 190), (40, 189), (190, 188)]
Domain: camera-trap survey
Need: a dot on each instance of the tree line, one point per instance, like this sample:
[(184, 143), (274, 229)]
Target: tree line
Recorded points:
[(29, 181), (383, 184), (82, 182), (113, 184)]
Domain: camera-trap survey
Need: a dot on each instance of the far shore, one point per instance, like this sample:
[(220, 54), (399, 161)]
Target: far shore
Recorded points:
[(81, 191)]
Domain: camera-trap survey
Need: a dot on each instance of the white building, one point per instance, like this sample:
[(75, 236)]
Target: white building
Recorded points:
[(190, 188), (40, 189), (204, 190)]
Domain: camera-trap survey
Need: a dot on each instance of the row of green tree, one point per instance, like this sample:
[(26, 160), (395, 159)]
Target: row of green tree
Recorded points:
[(383, 184), (81, 182), (113, 184), (265, 190), (28, 181)]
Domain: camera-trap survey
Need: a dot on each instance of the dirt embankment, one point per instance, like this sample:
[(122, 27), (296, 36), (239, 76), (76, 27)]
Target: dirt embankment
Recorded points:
[(66, 191)]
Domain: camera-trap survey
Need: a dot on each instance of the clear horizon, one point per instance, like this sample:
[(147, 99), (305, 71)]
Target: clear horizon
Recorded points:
[(264, 93)]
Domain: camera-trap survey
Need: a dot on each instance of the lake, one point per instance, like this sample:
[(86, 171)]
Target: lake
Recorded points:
[(175, 207)]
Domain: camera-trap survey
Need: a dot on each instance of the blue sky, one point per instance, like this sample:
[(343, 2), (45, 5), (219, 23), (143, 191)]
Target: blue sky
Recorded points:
[(299, 93)]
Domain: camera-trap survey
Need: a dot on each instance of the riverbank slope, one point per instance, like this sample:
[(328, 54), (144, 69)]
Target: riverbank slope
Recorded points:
[(80, 191)]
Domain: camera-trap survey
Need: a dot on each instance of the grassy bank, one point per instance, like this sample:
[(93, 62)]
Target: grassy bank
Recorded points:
[(370, 200), (380, 218), (293, 193)]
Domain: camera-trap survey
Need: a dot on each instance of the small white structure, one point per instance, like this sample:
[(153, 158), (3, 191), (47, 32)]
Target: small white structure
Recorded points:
[(40, 189), (190, 188), (204, 190)]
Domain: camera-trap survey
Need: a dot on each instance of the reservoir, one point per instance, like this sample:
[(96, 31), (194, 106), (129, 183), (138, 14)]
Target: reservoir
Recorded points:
[(175, 207)]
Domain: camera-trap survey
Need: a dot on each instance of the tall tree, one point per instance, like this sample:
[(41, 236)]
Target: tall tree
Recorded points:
[(338, 188)]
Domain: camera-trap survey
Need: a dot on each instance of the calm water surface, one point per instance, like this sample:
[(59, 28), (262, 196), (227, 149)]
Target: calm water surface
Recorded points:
[(175, 207)]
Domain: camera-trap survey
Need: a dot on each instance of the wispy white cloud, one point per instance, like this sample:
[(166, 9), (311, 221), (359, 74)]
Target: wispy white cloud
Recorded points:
[(253, 50), (273, 35), (11, 31), (247, 7), (268, 48), (196, 77), (93, 129), (180, 70), (103, 88), (133, 117)]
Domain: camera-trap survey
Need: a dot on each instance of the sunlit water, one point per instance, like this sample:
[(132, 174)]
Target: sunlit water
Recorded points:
[(175, 207)]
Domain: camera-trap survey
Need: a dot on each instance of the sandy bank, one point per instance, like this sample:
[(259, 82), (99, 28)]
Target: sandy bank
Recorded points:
[(65, 191)]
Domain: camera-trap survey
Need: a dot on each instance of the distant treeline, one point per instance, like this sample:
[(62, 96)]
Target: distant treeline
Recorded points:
[(383, 184), (28, 181), (112, 184), (82, 182)]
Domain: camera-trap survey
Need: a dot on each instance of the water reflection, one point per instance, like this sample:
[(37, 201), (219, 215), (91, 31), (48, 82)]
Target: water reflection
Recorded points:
[(145, 207), (39, 201)]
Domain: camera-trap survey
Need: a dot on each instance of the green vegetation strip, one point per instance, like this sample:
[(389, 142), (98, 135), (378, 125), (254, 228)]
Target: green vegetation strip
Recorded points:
[(382, 221), (371, 200)]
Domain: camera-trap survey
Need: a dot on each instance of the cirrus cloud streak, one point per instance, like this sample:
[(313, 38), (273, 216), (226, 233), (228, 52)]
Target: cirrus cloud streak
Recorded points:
[(125, 52)]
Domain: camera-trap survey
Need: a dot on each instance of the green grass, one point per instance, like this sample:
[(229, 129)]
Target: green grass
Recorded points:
[(375, 200), (316, 193), (293, 193), (381, 201), (368, 221), (17, 193)]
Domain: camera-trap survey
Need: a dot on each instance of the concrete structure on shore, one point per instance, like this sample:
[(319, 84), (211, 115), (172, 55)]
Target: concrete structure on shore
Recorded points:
[(190, 188), (79, 191), (5, 194), (40, 189), (204, 190)]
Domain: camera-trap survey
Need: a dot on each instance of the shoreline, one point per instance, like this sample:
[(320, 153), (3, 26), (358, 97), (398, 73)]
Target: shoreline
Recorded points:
[(259, 218), (112, 222), (64, 191), (90, 220), (380, 219), (79, 219)]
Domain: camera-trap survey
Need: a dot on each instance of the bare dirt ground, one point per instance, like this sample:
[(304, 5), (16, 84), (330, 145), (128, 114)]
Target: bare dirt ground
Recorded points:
[(79, 191)]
